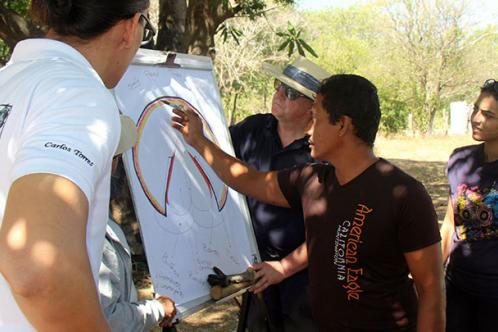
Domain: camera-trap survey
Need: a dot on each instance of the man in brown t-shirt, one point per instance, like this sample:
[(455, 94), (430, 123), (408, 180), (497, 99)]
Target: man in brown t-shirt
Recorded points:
[(368, 224)]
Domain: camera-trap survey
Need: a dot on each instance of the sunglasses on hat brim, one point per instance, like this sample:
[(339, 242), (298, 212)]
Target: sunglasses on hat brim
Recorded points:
[(290, 93)]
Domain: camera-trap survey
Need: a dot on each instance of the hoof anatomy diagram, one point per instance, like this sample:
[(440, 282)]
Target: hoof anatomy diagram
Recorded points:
[(172, 160)]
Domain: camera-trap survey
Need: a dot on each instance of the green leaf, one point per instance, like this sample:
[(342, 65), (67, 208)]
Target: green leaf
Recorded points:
[(224, 34), (291, 48), (227, 31), (308, 48), (238, 32), (234, 36), (300, 49), (284, 45)]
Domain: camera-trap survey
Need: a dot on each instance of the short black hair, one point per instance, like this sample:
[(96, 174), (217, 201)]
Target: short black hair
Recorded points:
[(356, 97), (84, 19)]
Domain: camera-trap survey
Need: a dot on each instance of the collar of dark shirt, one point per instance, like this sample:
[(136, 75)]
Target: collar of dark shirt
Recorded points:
[(272, 124)]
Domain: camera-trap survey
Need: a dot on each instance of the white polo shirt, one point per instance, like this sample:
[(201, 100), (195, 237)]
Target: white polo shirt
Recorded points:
[(56, 116)]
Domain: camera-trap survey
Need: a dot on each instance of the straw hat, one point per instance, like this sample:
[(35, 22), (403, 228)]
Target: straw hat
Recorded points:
[(301, 75), (128, 136)]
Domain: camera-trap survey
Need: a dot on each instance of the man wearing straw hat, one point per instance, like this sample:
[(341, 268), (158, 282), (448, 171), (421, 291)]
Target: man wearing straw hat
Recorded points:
[(273, 142)]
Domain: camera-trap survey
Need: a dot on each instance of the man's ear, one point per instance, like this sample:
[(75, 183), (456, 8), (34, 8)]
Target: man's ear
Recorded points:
[(129, 31), (345, 124)]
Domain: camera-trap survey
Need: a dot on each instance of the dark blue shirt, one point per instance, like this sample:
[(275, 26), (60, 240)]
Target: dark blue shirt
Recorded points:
[(278, 230), (256, 142), (473, 261)]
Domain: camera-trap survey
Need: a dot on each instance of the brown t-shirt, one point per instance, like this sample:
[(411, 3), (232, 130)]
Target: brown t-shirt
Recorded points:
[(356, 236)]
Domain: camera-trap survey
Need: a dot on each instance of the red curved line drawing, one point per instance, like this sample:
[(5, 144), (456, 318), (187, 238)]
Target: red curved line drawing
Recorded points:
[(170, 172), (144, 117), (224, 196)]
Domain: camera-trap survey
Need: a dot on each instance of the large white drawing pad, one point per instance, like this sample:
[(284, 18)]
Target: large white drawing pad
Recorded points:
[(190, 220)]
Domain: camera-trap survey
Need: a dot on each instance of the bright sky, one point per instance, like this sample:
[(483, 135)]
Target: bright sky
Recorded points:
[(483, 10)]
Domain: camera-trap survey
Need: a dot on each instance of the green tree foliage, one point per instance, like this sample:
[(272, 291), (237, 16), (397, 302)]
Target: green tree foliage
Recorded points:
[(353, 40), (15, 25), (4, 53), (18, 6), (437, 44), (394, 113), (343, 37), (421, 55)]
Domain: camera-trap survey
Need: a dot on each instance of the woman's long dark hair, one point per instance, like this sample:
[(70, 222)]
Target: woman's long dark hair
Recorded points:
[(84, 18)]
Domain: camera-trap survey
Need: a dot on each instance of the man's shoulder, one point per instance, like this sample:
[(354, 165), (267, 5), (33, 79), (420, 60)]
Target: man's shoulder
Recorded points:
[(389, 173), (307, 172), (259, 117), (260, 120)]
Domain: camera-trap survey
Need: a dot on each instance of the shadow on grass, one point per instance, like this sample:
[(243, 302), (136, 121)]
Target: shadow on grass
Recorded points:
[(221, 317)]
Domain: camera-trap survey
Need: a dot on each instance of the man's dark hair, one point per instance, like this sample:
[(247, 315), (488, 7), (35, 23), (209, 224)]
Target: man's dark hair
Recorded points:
[(84, 19), (356, 97)]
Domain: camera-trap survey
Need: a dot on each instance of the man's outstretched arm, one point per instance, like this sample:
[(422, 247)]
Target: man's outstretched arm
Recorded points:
[(262, 186)]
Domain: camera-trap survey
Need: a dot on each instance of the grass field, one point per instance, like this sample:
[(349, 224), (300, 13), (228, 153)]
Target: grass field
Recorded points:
[(423, 157), (420, 148)]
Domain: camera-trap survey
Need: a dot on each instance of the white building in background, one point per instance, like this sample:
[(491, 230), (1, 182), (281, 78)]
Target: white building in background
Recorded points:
[(460, 113)]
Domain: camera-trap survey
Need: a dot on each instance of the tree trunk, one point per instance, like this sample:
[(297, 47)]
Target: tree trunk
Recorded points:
[(172, 26), (432, 116), (433, 104), (14, 27), (200, 27), (190, 27)]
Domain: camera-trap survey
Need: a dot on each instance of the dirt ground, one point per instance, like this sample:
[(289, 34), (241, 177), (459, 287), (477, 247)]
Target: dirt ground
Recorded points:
[(423, 157)]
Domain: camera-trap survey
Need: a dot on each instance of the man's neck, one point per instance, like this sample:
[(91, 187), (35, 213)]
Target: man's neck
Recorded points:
[(290, 132), (352, 162)]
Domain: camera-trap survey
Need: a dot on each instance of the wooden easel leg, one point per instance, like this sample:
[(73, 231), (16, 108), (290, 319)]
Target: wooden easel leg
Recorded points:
[(247, 298), (264, 308), (244, 311), (169, 329)]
